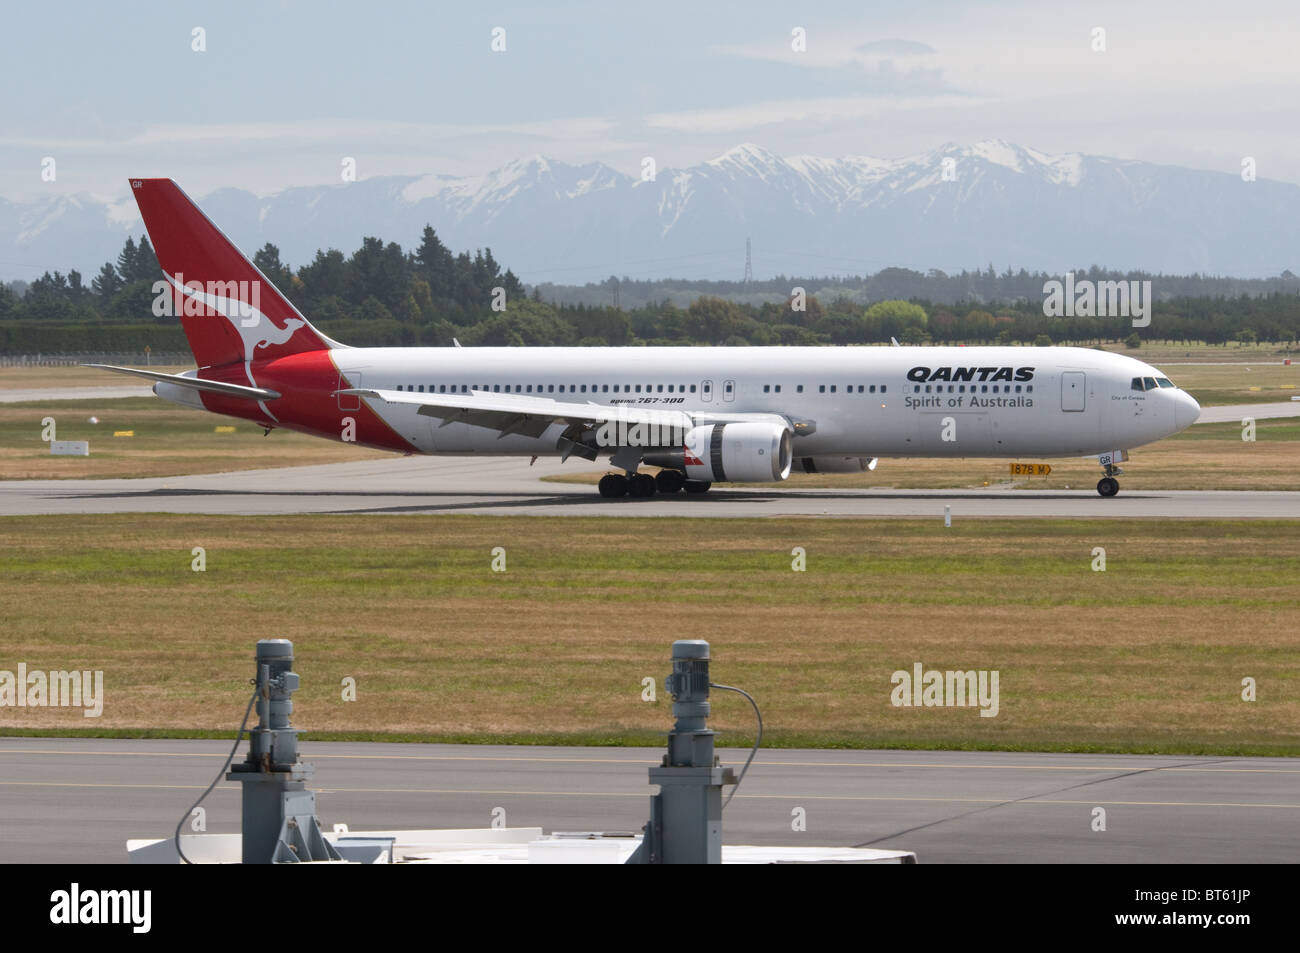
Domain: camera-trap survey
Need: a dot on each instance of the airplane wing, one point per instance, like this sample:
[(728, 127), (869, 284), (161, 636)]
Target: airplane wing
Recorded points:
[(531, 416)]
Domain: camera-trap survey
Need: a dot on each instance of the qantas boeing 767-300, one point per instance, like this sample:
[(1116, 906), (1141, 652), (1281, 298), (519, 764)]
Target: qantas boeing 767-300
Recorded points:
[(702, 414)]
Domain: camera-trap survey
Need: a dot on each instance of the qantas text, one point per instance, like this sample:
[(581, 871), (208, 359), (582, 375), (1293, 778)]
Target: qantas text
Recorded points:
[(924, 375)]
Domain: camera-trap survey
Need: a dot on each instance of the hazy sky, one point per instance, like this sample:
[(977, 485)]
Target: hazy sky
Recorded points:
[(285, 90)]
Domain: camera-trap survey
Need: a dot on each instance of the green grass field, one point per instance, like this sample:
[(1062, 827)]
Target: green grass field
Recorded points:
[(74, 375), (1147, 656), (168, 441), (1177, 352), (1237, 383)]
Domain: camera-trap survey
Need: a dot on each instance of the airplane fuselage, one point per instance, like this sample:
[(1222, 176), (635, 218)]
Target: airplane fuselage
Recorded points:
[(702, 415), (859, 401)]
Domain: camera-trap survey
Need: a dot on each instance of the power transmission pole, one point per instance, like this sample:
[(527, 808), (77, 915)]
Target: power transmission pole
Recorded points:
[(749, 265)]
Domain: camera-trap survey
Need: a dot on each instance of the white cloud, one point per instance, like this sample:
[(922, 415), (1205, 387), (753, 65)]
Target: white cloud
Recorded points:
[(316, 130), (827, 110), (266, 157), (1190, 83), (895, 47)]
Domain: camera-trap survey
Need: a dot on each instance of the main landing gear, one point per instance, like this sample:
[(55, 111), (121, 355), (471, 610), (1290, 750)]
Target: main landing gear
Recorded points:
[(642, 485)]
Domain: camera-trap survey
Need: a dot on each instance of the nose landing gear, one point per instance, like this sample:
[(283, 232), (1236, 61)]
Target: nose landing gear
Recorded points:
[(1108, 486)]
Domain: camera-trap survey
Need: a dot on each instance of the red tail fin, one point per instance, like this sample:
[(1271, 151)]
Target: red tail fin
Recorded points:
[(230, 310)]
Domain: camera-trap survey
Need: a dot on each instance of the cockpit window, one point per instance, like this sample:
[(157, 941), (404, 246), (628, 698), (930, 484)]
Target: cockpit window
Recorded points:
[(1150, 383)]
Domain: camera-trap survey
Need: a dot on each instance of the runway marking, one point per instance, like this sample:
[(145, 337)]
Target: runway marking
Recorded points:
[(98, 784), (653, 761), (819, 797), (640, 794)]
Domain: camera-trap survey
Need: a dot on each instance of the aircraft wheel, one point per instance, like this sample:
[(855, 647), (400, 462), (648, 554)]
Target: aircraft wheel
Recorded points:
[(697, 486), (612, 485), (641, 485), (670, 481), (1108, 486)]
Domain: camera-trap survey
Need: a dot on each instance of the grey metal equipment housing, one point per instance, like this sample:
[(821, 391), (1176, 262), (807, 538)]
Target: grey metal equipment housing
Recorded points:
[(685, 825), (279, 813)]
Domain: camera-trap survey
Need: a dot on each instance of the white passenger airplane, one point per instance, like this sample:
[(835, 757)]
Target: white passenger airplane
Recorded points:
[(703, 415)]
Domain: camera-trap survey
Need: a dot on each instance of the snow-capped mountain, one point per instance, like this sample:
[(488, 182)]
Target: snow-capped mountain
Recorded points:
[(952, 208)]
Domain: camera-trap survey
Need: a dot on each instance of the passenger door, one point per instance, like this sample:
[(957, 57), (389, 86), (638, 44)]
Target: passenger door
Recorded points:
[(1074, 391)]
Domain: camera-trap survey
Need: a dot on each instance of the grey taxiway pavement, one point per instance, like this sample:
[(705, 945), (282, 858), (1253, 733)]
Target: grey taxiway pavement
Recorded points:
[(28, 394), (508, 485), (79, 800), (1234, 413), (504, 485)]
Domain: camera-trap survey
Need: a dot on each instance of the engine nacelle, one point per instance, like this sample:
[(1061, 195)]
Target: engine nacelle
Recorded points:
[(738, 453), (834, 464)]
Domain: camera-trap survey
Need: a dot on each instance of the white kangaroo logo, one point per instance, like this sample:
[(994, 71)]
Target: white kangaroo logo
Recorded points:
[(255, 329), (275, 336)]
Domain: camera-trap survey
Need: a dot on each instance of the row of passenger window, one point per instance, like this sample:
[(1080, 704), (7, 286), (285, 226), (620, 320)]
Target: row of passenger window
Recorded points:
[(617, 388), (1139, 383), (822, 388), (550, 388), (974, 388)]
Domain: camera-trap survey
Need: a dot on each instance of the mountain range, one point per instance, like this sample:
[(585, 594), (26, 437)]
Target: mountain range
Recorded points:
[(955, 207)]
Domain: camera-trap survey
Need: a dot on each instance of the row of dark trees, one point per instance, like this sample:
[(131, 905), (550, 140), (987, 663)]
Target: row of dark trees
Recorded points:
[(987, 286), (377, 282), (120, 291), (382, 295)]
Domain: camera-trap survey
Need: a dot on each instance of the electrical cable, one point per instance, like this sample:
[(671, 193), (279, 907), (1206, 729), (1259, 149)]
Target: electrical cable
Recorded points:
[(757, 741), (230, 757)]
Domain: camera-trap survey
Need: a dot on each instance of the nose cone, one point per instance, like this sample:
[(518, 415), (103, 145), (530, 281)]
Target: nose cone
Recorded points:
[(1186, 410)]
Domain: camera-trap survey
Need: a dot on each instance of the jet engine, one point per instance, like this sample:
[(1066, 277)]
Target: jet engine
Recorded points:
[(738, 453)]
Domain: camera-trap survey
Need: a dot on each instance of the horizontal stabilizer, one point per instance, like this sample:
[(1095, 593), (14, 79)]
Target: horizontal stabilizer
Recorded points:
[(195, 383)]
